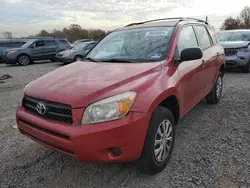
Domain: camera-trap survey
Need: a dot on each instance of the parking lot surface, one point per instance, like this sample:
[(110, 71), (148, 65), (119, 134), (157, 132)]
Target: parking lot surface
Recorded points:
[(212, 147)]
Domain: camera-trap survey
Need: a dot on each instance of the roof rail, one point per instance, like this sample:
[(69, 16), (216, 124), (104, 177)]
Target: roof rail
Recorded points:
[(162, 19)]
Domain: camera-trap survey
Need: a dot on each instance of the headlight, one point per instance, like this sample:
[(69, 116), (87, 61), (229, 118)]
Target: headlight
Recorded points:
[(109, 109), (247, 49), (11, 52), (27, 86), (66, 54)]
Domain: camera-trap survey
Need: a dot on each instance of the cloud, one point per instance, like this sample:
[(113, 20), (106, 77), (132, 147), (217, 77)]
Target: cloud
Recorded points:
[(33, 15)]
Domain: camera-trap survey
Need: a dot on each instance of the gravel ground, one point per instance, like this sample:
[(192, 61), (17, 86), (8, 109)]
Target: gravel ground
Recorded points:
[(212, 147)]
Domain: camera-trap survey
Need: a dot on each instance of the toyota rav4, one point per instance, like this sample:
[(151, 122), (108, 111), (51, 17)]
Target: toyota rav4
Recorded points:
[(123, 101)]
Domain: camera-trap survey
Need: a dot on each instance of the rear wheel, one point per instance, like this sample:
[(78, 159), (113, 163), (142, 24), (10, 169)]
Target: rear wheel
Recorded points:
[(246, 69), (215, 94), (159, 142), (23, 60)]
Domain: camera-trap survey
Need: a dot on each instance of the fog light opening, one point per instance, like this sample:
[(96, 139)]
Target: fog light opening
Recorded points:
[(116, 151)]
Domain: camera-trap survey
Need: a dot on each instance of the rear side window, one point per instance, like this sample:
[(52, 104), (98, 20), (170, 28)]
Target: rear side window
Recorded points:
[(50, 43), (186, 39), (39, 43), (203, 37), (65, 42), (212, 34)]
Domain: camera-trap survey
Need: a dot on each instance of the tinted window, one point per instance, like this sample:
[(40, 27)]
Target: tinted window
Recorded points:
[(39, 43), (203, 37), (50, 43), (136, 45), (234, 36), (65, 42), (212, 34), (16, 44), (4, 44), (186, 39)]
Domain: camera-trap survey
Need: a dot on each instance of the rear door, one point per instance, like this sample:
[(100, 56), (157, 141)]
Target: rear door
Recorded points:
[(209, 57), (50, 48), (191, 85), (37, 50)]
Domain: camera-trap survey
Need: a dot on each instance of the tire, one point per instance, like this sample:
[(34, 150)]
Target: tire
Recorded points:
[(78, 58), (246, 69), (23, 60), (150, 161), (214, 96)]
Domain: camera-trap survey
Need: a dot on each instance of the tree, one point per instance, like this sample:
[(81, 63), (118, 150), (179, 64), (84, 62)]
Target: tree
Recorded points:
[(43, 33), (7, 35), (241, 22), (245, 16), (231, 23)]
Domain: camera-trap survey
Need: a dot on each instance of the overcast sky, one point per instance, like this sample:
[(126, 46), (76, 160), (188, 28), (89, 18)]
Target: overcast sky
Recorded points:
[(26, 17)]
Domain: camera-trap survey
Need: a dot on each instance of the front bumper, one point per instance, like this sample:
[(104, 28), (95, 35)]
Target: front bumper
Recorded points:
[(91, 143), (237, 61), (65, 59)]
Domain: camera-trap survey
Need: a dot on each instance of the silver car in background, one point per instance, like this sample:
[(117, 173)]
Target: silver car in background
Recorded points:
[(236, 44), (76, 53)]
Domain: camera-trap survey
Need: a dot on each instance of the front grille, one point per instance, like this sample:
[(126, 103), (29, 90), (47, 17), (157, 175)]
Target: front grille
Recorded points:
[(231, 51), (54, 111)]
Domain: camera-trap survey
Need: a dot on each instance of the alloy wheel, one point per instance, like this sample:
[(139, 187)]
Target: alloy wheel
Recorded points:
[(23, 60), (163, 141), (219, 87)]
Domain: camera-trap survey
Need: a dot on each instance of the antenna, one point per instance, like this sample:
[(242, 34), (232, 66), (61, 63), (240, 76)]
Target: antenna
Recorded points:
[(206, 18)]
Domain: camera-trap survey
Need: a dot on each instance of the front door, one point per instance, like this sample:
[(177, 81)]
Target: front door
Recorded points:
[(191, 84)]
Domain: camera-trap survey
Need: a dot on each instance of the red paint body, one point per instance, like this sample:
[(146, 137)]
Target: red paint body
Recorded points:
[(83, 83)]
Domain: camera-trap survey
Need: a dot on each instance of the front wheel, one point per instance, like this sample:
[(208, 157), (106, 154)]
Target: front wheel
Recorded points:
[(78, 58), (23, 60), (214, 96), (159, 141)]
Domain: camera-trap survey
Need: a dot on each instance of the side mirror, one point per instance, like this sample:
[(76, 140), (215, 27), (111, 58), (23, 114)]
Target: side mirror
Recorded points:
[(190, 54)]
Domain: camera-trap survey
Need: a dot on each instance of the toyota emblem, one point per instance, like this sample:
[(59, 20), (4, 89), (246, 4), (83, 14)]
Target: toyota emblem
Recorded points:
[(41, 108)]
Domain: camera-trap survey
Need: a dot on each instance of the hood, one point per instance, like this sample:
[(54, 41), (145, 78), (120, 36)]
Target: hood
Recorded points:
[(235, 44), (11, 49), (82, 83)]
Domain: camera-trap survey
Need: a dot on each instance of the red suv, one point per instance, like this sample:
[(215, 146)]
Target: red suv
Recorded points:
[(123, 101)]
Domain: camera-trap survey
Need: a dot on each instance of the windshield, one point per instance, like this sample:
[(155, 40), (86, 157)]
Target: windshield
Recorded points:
[(235, 36), (80, 46), (143, 44), (27, 44)]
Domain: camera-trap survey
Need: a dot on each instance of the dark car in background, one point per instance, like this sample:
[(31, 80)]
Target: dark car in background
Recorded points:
[(76, 53), (236, 44), (10, 43), (80, 41), (36, 49)]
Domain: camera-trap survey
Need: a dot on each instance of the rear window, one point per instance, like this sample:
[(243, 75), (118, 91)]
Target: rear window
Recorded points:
[(64, 41)]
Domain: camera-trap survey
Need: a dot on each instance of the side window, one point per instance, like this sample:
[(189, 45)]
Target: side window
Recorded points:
[(65, 42), (40, 43), (4, 44), (186, 39), (212, 34), (50, 43), (203, 37)]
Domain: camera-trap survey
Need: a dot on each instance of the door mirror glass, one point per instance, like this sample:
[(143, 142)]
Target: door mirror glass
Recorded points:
[(190, 54)]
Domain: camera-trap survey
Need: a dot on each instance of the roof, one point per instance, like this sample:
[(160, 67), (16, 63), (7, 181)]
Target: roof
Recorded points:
[(235, 30), (163, 22)]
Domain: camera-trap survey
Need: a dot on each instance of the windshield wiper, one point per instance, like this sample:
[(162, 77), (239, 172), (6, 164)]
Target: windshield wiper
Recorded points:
[(90, 59), (117, 60)]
